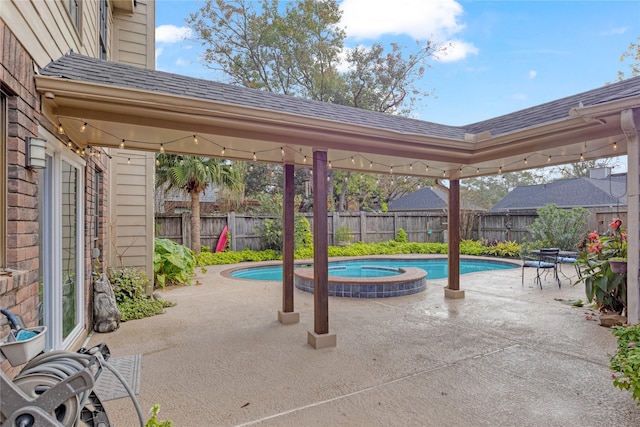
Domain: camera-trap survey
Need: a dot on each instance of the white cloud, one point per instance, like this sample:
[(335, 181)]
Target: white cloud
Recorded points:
[(614, 31), (456, 50), (532, 74), (370, 19), (519, 96), (158, 52), (171, 33)]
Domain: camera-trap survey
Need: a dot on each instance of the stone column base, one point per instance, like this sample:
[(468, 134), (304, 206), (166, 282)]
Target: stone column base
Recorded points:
[(453, 293), (319, 341), (288, 318)]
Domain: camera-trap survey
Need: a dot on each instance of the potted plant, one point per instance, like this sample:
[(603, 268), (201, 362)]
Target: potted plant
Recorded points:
[(599, 262)]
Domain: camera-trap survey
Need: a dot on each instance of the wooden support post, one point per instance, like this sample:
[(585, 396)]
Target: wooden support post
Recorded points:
[(320, 244), (320, 337), (287, 315), (453, 288)]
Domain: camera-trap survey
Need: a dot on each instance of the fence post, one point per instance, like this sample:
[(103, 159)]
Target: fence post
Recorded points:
[(231, 226), (336, 224), (363, 227), (186, 229)]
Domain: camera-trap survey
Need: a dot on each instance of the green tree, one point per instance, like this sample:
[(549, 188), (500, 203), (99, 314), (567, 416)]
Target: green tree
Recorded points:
[(632, 56), (193, 175), (488, 190), (295, 49), (583, 169)]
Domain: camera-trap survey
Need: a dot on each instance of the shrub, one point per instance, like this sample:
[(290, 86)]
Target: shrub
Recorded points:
[(625, 364), (270, 232), (343, 234), (173, 264), (559, 228), (401, 237), (129, 289)]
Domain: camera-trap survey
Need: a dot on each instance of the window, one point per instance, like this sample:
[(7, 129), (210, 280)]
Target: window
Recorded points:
[(3, 180), (104, 26), (75, 10)]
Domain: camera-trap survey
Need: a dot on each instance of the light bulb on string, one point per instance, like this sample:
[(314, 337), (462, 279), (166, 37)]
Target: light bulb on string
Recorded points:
[(162, 148), (195, 139), (157, 162), (83, 127), (615, 146), (411, 166), (250, 168), (129, 161), (426, 168), (304, 160), (329, 165), (60, 129), (370, 165), (391, 170), (122, 144), (478, 171), (254, 156), (282, 151), (581, 157), (526, 162), (222, 151), (353, 161), (69, 144), (549, 159)]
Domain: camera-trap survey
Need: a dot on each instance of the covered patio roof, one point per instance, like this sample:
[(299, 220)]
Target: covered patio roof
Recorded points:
[(164, 111), (109, 104)]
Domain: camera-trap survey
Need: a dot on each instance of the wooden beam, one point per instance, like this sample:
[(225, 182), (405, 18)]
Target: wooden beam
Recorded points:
[(288, 221), (454, 235), (320, 244)]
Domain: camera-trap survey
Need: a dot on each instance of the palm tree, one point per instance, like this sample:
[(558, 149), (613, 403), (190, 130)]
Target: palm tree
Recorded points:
[(193, 175)]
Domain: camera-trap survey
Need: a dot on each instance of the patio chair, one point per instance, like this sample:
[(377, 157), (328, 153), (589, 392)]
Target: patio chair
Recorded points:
[(544, 261)]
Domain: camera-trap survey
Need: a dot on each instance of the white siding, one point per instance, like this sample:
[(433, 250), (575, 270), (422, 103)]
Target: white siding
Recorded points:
[(134, 35)]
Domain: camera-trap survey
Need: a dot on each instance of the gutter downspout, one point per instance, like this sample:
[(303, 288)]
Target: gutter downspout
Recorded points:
[(629, 123)]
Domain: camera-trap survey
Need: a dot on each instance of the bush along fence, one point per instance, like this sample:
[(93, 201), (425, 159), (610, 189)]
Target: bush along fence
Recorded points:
[(366, 227)]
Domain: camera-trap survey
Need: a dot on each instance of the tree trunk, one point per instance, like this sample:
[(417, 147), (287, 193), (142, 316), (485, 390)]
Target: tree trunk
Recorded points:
[(342, 204), (195, 221)]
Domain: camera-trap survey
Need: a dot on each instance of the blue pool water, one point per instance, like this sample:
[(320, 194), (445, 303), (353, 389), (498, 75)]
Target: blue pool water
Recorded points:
[(435, 268)]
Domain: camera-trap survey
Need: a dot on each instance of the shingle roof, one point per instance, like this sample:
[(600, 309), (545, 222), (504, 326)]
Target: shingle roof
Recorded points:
[(567, 193), (86, 69), (427, 198)]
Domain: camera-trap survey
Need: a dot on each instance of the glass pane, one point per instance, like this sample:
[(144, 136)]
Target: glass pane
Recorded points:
[(69, 247)]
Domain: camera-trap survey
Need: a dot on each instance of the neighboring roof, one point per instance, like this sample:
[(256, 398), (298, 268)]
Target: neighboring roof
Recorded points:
[(567, 193), (155, 111), (428, 198)]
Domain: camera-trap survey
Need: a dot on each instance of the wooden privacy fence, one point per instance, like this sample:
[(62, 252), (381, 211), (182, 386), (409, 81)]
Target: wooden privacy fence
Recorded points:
[(369, 227)]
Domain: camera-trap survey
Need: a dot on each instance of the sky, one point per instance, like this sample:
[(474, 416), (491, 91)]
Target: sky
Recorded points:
[(501, 56)]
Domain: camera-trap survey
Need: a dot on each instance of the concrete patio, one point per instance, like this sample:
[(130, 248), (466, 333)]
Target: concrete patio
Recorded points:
[(505, 355)]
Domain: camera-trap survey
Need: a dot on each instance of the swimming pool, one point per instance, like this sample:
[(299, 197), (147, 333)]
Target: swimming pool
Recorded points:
[(436, 268)]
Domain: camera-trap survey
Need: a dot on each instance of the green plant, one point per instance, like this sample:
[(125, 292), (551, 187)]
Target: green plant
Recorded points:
[(173, 264), (625, 363), (129, 289), (270, 232), (559, 228), (343, 234), (401, 237), (154, 422), (602, 286)]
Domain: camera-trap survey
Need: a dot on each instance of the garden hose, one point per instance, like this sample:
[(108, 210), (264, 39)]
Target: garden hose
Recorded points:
[(45, 370)]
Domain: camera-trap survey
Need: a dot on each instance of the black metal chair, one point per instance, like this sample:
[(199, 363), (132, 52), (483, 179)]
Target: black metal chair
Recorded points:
[(544, 261)]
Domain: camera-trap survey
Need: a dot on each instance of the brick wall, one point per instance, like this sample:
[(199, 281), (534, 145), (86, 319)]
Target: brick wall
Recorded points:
[(19, 292)]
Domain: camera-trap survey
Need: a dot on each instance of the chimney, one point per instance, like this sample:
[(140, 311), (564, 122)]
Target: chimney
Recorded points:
[(600, 173)]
